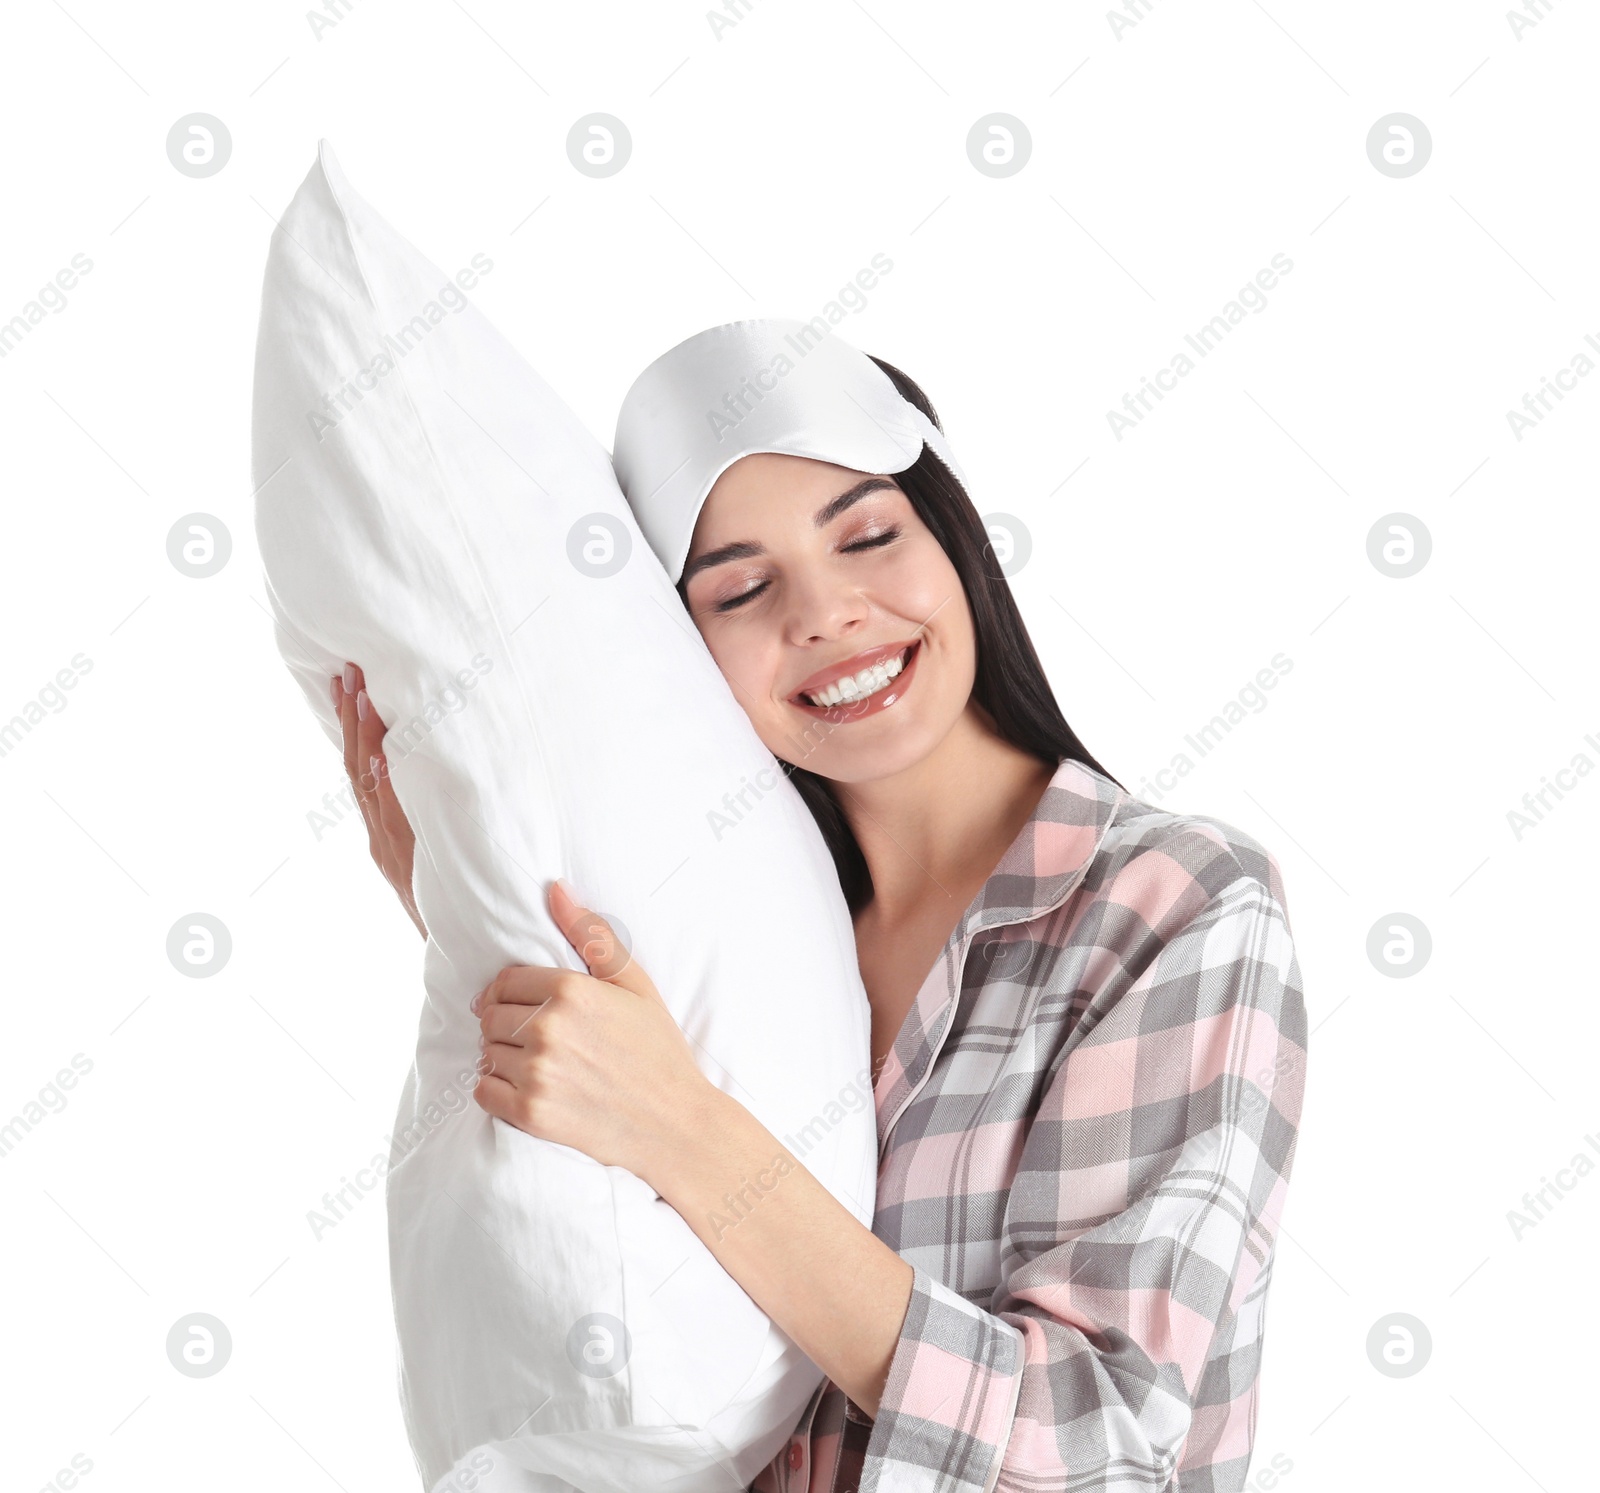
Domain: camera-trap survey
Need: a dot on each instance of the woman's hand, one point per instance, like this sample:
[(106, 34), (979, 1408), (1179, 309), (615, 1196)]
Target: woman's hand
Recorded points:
[(389, 836), (594, 1061)]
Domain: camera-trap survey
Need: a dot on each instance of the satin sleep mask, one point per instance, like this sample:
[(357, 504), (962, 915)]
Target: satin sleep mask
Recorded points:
[(747, 386)]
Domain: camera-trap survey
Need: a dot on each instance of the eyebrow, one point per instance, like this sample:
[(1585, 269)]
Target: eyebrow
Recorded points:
[(745, 549)]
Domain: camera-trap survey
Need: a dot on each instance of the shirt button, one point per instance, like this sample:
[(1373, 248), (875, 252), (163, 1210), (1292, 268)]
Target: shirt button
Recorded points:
[(797, 1456)]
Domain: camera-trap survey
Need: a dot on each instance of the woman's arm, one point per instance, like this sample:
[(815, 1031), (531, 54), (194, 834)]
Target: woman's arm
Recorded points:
[(828, 1281)]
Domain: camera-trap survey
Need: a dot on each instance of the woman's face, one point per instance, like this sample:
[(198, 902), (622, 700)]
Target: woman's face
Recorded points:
[(800, 576)]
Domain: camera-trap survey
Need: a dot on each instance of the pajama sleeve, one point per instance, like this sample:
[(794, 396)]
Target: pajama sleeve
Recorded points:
[(1124, 1339)]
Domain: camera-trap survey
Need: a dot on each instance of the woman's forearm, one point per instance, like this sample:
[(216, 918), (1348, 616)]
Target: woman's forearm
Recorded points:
[(829, 1282)]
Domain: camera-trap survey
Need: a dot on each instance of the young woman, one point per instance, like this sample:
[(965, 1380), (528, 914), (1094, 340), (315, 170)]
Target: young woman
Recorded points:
[(1088, 1032)]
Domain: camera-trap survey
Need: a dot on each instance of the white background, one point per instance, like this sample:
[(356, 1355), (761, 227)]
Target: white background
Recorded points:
[(1169, 163)]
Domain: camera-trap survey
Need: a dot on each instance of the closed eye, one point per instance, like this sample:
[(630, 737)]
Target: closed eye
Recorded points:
[(741, 598), (873, 542)]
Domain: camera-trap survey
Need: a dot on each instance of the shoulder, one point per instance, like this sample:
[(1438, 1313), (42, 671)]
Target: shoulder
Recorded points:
[(1193, 908), (1170, 867)]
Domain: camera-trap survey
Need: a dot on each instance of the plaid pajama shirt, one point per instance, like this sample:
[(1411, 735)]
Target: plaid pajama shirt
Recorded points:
[(1085, 1132)]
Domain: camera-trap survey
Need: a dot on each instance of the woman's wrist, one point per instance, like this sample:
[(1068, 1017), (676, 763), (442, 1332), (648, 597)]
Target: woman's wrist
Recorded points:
[(690, 1128), (714, 1148)]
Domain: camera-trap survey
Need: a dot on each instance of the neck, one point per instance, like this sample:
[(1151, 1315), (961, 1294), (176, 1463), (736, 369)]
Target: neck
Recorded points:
[(938, 828)]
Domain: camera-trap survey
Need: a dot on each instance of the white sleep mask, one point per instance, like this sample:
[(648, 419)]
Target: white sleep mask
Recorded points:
[(774, 385)]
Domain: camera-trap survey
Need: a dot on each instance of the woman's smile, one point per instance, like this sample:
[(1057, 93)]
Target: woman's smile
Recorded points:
[(859, 686)]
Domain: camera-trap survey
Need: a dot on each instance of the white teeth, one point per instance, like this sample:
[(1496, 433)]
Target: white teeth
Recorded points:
[(859, 686)]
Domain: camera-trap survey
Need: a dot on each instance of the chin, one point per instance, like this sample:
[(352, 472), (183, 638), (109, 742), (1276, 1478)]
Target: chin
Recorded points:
[(891, 748)]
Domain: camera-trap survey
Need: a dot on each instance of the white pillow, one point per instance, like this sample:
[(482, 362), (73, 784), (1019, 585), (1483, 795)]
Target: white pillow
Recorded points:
[(422, 496)]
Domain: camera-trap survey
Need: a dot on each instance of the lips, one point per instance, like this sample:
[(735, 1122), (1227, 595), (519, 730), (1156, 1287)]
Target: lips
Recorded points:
[(860, 709)]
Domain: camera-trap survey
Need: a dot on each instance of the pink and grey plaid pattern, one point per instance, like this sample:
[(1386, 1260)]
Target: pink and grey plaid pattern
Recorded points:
[(1085, 1131)]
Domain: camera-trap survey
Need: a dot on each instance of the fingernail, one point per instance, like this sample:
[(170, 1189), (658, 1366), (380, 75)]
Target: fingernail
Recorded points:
[(350, 679), (475, 1002), (363, 706)]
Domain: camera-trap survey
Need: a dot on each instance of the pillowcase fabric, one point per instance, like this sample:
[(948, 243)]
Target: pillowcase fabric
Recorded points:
[(428, 508)]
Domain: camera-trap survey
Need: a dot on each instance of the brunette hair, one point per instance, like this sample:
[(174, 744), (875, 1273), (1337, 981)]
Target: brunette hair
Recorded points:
[(1010, 682)]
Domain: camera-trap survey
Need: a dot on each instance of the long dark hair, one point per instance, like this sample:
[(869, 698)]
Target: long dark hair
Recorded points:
[(1010, 682)]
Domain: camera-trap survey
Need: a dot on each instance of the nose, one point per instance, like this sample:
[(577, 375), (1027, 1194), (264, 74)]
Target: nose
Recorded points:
[(823, 606)]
